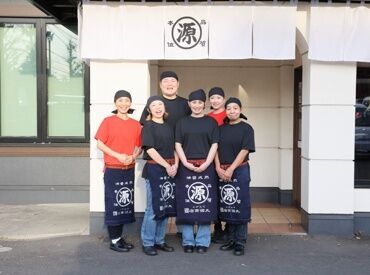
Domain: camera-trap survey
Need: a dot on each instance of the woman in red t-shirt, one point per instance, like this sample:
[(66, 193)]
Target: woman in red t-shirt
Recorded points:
[(119, 138), (216, 97)]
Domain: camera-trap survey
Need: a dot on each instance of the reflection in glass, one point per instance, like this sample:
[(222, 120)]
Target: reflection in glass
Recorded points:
[(18, 80), (362, 129), (66, 115)]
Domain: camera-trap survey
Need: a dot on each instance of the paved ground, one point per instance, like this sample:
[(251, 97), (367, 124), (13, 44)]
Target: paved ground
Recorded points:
[(264, 255), (38, 239), (37, 221)]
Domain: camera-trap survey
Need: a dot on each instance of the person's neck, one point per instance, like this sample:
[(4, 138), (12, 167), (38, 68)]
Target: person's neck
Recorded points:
[(170, 97), (219, 110), (158, 119), (122, 116), (197, 115), (236, 121)]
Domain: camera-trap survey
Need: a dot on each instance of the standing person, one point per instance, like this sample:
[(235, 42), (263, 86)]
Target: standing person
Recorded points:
[(196, 189), (176, 106), (119, 138), (216, 96), (236, 142), (158, 143)]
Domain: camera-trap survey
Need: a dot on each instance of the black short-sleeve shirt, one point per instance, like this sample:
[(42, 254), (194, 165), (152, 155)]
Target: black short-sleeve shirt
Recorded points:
[(234, 138), (196, 135), (159, 136), (176, 108)]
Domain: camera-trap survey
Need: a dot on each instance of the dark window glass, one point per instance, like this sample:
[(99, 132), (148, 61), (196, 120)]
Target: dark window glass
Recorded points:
[(362, 128)]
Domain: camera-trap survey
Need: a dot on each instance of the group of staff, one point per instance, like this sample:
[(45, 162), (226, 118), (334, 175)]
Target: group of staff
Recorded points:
[(196, 168)]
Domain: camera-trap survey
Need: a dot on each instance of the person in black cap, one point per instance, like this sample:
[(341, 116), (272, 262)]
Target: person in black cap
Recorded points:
[(158, 143), (235, 145), (196, 187), (119, 138), (176, 106), (216, 96)]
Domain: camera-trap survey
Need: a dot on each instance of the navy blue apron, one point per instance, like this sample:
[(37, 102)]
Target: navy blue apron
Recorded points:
[(119, 196), (196, 196), (234, 197), (163, 191)]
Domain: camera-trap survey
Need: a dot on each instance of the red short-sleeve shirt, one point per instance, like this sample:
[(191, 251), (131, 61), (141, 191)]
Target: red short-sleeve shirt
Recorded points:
[(218, 117), (119, 135)]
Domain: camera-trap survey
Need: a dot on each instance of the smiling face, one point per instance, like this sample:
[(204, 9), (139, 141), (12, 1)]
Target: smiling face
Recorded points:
[(217, 102), (233, 111), (196, 106), (157, 109), (123, 104), (169, 87)]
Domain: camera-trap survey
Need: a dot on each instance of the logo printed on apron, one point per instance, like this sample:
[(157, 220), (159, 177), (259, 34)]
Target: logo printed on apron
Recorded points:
[(123, 196), (167, 191), (229, 194), (198, 192)]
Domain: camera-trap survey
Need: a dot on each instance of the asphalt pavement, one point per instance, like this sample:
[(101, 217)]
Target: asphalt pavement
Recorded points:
[(264, 255)]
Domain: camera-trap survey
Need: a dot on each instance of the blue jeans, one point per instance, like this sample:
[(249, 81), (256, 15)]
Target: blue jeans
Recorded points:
[(202, 238), (152, 231)]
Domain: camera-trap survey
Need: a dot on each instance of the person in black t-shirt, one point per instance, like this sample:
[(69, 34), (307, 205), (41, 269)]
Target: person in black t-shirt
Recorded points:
[(196, 190), (176, 106), (158, 143), (236, 142)]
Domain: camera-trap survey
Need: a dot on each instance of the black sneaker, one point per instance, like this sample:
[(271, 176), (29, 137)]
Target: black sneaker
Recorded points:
[(239, 250), (150, 250), (188, 248), (126, 244), (164, 247), (118, 246), (201, 249), (229, 246)]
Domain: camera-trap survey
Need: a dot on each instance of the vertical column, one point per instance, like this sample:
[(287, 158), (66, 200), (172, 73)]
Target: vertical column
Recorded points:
[(286, 134), (328, 127), (105, 79)]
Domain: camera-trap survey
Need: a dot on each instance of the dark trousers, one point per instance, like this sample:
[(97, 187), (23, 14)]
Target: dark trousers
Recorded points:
[(238, 233), (115, 231)]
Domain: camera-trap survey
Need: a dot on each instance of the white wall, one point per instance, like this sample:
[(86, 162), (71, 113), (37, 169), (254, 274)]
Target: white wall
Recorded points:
[(266, 91), (105, 79), (328, 128)]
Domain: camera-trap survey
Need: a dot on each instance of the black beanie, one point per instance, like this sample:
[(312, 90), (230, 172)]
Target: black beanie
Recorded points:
[(216, 91), (238, 102), (198, 95), (168, 74), (153, 98), (233, 100), (122, 93)]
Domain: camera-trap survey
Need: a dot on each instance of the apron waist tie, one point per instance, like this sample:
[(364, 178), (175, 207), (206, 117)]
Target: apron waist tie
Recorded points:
[(169, 161), (123, 167), (225, 166)]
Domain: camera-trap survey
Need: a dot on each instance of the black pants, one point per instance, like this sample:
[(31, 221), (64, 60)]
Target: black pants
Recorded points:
[(115, 231), (238, 233)]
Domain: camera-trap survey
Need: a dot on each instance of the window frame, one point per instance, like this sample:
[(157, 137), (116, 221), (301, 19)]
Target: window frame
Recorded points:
[(42, 90)]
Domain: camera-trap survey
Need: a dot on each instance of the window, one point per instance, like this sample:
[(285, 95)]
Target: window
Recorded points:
[(18, 80), (362, 128), (43, 91)]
